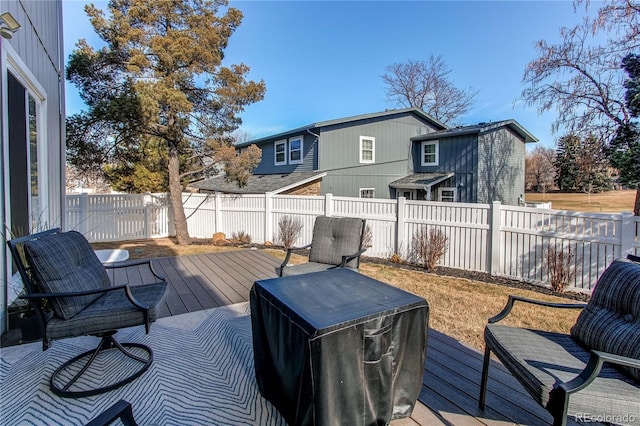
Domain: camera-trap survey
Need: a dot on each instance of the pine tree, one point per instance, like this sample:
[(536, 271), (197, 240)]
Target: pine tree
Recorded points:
[(566, 163), (624, 149), (160, 80)]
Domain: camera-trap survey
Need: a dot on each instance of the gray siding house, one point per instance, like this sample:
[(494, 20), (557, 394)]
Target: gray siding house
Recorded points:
[(472, 164), (390, 154), (32, 126), (354, 156)]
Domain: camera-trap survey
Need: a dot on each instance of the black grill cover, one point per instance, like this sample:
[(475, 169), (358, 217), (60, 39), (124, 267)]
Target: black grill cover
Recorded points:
[(338, 347)]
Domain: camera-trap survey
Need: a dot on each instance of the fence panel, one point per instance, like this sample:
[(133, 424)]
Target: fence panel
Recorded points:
[(381, 217), (527, 233), (200, 211), (243, 214), (465, 225), (304, 209), (522, 234), (111, 217)]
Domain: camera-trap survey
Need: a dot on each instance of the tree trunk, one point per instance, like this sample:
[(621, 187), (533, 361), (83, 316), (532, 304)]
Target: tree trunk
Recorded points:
[(636, 205), (175, 196)]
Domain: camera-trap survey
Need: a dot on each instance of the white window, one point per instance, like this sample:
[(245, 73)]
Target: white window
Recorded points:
[(367, 192), (447, 195), (295, 150), (409, 194), (429, 151), (367, 149), (280, 150)]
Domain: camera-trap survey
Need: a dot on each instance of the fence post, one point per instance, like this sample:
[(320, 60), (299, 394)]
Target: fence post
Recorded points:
[(328, 204), (268, 220), (147, 216), (400, 216), (494, 235), (84, 214), (217, 213), (627, 234)]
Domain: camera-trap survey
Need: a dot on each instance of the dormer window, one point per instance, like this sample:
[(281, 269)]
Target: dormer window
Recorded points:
[(295, 150), (429, 153), (280, 150)]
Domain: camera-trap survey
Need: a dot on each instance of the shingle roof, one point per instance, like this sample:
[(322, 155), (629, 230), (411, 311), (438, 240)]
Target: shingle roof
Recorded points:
[(420, 180), (479, 128), (258, 184), (344, 120)]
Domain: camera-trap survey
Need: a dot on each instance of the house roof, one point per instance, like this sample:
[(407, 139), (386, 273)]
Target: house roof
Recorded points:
[(320, 124), (420, 180), (258, 184), (477, 129)]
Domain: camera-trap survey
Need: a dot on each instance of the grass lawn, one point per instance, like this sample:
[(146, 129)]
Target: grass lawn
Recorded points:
[(604, 202), (458, 307)]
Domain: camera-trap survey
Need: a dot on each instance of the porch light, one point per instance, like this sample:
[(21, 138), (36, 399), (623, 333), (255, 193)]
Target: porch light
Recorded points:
[(8, 25)]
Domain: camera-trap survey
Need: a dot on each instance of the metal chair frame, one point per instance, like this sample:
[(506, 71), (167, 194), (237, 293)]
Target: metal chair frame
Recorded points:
[(36, 300)]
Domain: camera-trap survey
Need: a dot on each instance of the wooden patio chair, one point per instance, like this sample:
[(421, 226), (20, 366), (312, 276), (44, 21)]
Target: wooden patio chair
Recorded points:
[(594, 370), (71, 294), (336, 243)]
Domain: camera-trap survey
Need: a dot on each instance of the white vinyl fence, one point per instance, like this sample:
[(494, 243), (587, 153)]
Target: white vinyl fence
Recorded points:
[(501, 240)]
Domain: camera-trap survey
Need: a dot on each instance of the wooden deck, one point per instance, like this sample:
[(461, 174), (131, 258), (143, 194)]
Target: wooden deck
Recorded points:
[(452, 370)]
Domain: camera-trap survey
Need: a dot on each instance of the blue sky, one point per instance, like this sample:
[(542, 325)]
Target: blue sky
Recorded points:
[(324, 60)]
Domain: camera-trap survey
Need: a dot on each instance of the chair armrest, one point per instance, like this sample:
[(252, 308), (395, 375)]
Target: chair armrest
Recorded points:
[(127, 264), (126, 289), (348, 258), (592, 370), (512, 299), (288, 256)]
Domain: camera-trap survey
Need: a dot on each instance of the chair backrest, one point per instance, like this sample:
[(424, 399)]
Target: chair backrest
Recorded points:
[(334, 237), (60, 262), (611, 320)]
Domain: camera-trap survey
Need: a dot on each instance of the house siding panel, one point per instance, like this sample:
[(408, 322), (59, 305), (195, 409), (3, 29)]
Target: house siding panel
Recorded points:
[(38, 44), (267, 164), (457, 154), (348, 181), (500, 167), (339, 154)]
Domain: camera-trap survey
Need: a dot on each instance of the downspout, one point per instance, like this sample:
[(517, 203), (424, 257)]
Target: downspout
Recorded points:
[(317, 158), (317, 152)]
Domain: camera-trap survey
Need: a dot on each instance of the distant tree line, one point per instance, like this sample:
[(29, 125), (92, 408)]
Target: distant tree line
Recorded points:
[(576, 165), (591, 80)]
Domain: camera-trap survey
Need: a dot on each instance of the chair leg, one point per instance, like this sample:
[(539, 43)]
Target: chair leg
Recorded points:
[(485, 377), (120, 410), (60, 384)]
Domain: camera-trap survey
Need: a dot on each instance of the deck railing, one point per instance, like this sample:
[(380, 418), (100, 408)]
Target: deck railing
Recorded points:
[(498, 239)]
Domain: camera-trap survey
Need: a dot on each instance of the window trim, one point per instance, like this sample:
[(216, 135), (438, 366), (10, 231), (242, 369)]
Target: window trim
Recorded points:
[(12, 62), (275, 153), (301, 160), (373, 192), (373, 150), (436, 143), (446, 188)]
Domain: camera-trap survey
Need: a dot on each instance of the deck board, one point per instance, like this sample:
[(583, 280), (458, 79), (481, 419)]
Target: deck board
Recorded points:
[(451, 380)]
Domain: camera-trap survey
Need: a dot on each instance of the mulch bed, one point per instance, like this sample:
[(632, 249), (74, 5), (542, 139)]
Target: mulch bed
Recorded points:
[(453, 272)]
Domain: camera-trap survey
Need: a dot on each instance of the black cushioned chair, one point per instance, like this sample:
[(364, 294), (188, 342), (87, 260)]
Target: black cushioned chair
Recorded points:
[(594, 370), (72, 295), (336, 242)]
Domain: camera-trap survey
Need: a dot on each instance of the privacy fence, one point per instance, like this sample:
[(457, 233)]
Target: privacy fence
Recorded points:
[(501, 240)]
